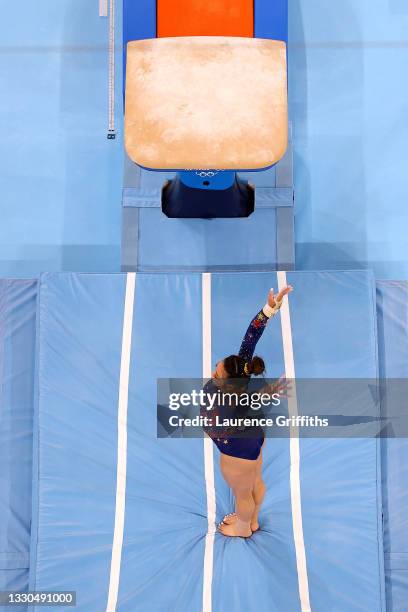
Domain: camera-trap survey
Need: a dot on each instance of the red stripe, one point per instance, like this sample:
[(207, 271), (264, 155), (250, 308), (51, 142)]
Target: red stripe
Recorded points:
[(205, 18)]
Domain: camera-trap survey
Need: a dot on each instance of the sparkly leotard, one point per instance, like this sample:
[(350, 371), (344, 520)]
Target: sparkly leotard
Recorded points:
[(250, 446)]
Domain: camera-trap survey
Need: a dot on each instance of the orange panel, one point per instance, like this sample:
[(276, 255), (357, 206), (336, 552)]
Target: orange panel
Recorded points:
[(205, 18)]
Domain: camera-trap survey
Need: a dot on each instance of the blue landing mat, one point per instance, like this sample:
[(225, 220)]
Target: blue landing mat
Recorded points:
[(392, 304), (165, 526), (17, 341)]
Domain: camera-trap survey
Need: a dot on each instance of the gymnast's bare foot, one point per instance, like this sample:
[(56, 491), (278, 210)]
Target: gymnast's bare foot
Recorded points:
[(236, 529), (230, 519)]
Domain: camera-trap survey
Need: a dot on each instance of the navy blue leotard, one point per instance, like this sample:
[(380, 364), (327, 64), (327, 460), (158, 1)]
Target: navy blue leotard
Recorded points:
[(250, 446)]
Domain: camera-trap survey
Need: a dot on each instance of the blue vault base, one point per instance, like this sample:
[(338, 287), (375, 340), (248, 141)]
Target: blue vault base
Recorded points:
[(263, 241)]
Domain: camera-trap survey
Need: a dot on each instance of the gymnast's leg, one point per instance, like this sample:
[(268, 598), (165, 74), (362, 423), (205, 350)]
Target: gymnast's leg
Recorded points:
[(258, 494), (240, 475)]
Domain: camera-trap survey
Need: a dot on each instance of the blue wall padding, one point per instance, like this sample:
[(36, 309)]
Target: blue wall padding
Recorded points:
[(79, 352), (17, 340), (392, 301), (271, 19), (139, 22)]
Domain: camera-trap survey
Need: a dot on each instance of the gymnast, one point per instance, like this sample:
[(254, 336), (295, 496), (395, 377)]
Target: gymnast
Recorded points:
[(241, 457)]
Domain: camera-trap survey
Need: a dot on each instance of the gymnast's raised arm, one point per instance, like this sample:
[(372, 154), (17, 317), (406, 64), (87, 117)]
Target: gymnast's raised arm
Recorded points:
[(259, 322)]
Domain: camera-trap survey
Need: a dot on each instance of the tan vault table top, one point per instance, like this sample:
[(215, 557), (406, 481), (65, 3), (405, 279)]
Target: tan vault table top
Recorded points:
[(206, 102)]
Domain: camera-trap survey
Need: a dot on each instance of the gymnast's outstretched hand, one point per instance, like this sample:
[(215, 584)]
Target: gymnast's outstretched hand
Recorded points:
[(272, 299), (280, 387)]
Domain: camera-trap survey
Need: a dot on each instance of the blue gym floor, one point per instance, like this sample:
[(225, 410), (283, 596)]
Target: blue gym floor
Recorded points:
[(61, 180)]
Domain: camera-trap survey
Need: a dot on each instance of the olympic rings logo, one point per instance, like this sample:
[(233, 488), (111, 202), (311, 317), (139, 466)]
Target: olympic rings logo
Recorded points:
[(207, 174)]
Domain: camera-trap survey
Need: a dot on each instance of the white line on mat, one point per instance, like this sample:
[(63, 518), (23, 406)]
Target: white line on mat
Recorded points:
[(294, 443), (122, 443), (208, 451)]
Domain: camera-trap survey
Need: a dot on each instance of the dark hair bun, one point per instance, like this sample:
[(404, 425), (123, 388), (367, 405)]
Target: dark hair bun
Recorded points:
[(236, 367), (257, 366)]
